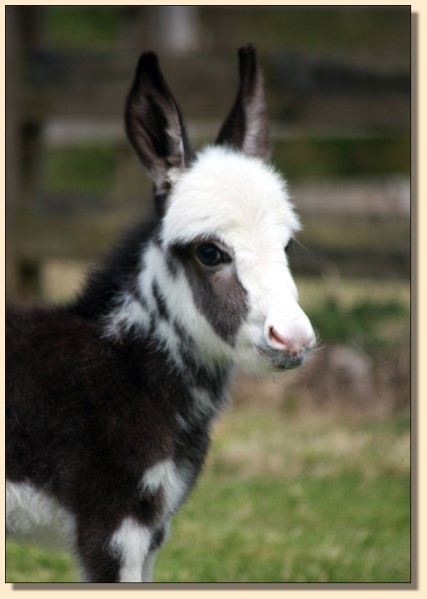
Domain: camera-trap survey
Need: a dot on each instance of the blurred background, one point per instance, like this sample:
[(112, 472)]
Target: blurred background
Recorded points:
[(308, 480)]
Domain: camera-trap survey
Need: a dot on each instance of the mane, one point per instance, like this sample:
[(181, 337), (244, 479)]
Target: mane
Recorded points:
[(115, 271)]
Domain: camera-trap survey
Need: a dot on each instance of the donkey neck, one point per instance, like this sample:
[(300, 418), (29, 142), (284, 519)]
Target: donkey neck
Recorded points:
[(146, 312), (139, 296)]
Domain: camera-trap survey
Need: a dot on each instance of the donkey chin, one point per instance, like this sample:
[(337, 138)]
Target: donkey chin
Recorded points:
[(280, 360), (266, 357), (264, 360)]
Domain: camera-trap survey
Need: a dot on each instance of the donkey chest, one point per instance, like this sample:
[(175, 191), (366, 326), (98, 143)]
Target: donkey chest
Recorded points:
[(173, 476), (169, 479)]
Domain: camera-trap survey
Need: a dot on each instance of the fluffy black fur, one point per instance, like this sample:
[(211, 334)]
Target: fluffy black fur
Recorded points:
[(86, 417), (87, 414)]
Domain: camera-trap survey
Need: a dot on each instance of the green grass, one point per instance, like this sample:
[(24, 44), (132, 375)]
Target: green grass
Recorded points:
[(26, 563), (297, 501), (301, 499), (371, 315), (365, 324)]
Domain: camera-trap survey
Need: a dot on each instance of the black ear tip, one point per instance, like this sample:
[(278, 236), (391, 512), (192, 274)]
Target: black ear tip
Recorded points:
[(247, 61), (248, 51), (148, 62)]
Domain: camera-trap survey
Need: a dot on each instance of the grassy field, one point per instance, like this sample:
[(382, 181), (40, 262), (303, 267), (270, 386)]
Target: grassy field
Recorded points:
[(286, 496), (307, 498), (301, 495)]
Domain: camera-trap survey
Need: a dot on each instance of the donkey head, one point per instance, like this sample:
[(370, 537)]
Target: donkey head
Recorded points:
[(226, 221)]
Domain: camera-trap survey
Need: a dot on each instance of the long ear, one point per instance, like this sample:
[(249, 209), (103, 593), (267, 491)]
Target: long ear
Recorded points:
[(155, 127), (246, 127)]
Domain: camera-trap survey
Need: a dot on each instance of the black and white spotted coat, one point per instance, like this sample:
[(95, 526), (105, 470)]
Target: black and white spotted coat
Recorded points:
[(111, 398)]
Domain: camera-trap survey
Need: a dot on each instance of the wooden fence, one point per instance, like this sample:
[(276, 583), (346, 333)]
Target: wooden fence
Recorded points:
[(55, 99)]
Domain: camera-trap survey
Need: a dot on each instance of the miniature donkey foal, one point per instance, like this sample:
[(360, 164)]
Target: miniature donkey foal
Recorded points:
[(111, 398)]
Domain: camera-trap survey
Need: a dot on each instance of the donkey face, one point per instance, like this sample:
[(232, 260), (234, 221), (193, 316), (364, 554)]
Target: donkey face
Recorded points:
[(226, 224)]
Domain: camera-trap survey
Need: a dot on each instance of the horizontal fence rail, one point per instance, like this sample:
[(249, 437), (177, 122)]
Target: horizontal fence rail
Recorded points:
[(58, 99)]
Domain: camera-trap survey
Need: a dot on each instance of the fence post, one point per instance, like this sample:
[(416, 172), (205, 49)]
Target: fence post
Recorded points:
[(13, 178), (23, 144)]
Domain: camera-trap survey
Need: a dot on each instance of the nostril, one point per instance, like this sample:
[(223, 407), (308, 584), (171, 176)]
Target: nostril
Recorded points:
[(286, 345), (277, 338)]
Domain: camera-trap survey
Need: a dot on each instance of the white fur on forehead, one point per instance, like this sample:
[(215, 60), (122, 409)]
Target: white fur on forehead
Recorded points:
[(224, 192)]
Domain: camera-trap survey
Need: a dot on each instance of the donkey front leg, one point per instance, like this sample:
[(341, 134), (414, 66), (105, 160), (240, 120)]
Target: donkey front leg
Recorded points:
[(117, 558), (158, 539), (131, 544)]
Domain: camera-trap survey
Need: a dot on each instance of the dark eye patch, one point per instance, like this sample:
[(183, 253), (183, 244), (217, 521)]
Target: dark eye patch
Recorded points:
[(210, 254), (218, 293)]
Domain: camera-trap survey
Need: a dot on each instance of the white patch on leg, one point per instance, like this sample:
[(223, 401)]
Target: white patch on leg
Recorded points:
[(166, 477), (32, 514), (130, 543)]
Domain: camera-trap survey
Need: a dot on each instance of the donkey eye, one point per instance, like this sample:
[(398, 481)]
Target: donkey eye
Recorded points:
[(289, 244), (209, 254)]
